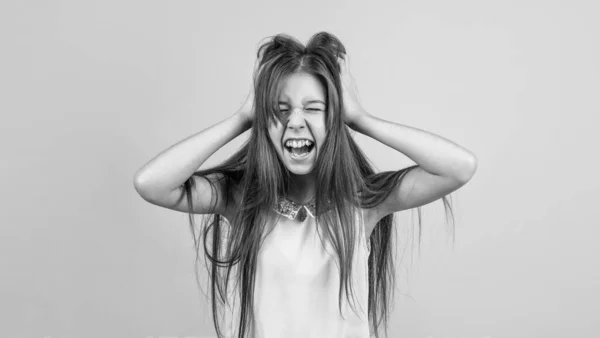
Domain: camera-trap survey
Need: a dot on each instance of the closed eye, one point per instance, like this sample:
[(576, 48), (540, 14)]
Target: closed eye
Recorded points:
[(313, 109)]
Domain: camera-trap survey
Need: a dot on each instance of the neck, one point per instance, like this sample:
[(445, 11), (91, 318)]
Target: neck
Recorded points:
[(302, 188)]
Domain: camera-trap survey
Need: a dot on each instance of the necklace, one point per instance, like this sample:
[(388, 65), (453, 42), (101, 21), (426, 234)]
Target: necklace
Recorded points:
[(291, 209)]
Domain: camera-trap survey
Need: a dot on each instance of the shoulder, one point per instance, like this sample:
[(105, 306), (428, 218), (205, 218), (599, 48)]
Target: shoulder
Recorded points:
[(369, 216), (369, 220)]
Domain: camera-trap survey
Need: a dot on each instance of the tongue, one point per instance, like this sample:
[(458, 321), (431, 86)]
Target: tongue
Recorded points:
[(300, 151)]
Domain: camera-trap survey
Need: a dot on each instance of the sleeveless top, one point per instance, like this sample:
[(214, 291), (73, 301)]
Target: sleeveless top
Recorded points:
[(297, 283)]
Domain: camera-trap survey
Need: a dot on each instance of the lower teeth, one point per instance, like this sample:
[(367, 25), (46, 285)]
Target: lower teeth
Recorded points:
[(294, 153)]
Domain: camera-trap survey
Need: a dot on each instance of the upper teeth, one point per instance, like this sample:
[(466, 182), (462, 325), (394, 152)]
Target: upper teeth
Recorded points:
[(298, 144)]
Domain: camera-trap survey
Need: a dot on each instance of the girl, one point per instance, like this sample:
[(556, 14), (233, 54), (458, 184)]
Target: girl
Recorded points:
[(308, 222)]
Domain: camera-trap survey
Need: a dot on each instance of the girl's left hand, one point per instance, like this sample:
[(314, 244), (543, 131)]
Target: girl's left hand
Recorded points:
[(352, 108)]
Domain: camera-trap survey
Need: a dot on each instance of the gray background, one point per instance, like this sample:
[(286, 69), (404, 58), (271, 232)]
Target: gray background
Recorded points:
[(93, 90)]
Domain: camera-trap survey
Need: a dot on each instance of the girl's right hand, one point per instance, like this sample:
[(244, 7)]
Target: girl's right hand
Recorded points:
[(248, 109)]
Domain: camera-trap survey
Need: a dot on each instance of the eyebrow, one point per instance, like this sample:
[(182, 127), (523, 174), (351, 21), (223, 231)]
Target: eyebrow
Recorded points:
[(307, 102)]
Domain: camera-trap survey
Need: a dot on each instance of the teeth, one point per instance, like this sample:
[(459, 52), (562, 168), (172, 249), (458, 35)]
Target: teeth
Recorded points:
[(298, 144)]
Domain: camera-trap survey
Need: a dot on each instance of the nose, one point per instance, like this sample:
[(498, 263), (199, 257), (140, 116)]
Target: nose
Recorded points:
[(296, 119)]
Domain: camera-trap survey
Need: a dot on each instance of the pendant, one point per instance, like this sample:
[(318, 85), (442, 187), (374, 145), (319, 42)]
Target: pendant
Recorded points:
[(302, 214)]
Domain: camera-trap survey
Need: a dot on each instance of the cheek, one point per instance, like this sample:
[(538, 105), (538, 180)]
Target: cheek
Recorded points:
[(275, 135), (320, 134), (318, 127)]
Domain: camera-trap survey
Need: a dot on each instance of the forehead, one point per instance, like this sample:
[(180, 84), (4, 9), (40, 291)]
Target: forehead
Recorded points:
[(301, 87)]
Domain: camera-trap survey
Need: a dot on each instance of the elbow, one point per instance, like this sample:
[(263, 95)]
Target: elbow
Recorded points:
[(139, 184), (148, 188), (143, 189), (469, 169)]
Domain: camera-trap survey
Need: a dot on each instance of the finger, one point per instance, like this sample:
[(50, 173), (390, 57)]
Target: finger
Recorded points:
[(342, 64), (256, 63), (347, 62), (258, 60)]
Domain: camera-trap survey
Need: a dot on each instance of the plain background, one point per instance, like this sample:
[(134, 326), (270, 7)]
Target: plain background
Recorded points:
[(91, 91)]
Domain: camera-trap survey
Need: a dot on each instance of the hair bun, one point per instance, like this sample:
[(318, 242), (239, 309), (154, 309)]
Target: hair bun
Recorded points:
[(327, 43), (322, 43), (275, 46)]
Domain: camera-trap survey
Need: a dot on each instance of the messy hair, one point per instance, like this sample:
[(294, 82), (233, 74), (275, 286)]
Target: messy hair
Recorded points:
[(255, 178)]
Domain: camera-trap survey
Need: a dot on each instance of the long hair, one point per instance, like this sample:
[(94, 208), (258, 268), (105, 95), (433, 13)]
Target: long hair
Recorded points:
[(255, 178)]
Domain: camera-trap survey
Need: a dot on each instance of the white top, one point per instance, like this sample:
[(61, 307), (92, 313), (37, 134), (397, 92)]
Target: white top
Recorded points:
[(297, 286)]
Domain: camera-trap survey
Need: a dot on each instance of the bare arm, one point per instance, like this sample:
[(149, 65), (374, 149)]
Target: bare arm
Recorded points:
[(159, 181)]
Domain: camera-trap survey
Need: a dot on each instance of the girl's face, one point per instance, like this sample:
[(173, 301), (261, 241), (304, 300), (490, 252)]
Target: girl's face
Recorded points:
[(302, 104)]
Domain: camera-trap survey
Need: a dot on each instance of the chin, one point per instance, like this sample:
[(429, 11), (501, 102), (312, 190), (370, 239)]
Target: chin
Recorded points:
[(299, 169), (300, 172)]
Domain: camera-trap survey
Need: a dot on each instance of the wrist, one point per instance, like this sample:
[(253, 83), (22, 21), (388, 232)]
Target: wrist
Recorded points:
[(357, 122), (244, 118)]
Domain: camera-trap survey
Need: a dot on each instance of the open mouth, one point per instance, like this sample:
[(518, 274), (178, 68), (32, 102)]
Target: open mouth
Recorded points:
[(300, 151)]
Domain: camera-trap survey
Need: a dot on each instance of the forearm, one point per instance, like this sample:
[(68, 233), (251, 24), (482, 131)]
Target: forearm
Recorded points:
[(173, 166), (431, 152)]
